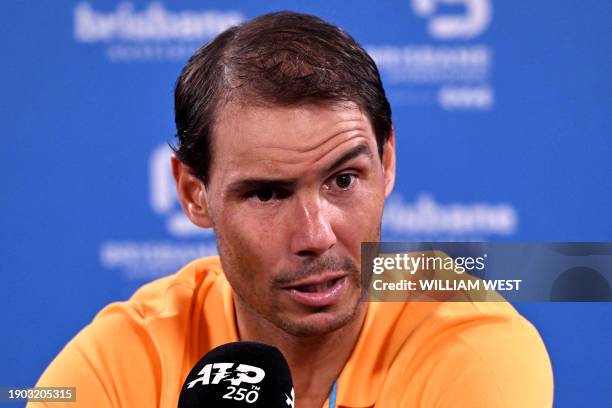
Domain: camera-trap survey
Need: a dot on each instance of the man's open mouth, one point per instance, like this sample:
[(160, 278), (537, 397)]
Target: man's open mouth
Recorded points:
[(318, 287), (318, 291)]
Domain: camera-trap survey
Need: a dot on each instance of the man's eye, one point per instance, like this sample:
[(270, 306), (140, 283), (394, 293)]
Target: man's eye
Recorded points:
[(266, 194), (344, 181), (263, 195)]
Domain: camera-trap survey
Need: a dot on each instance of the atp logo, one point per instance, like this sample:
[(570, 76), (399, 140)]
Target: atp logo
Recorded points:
[(470, 24), (243, 373), (290, 401)]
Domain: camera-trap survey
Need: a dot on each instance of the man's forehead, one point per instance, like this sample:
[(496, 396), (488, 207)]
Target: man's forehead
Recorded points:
[(302, 128), (287, 142)]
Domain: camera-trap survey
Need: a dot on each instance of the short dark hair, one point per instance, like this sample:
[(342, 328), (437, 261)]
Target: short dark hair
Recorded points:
[(277, 59)]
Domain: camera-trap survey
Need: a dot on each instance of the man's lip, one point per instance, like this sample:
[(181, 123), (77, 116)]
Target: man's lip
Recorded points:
[(324, 297), (316, 280)]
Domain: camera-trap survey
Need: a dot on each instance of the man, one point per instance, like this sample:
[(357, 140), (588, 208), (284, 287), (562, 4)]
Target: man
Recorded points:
[(286, 149)]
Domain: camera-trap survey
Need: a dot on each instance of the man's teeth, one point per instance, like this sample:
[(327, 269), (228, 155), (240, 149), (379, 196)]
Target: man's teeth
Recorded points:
[(317, 288)]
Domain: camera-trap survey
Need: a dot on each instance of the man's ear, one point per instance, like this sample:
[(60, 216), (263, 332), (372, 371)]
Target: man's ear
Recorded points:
[(192, 194), (388, 160)]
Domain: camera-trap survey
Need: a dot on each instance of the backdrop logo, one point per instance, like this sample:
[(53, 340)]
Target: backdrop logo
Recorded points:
[(141, 260), (473, 22), (153, 32), (428, 220), (452, 75)]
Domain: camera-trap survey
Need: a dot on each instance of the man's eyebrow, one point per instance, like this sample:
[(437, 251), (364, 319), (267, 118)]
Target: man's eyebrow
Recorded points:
[(351, 154), (240, 186), (257, 183)]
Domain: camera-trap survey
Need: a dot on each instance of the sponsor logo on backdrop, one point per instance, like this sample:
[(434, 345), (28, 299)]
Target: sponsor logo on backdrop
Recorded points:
[(184, 242), (152, 32), (453, 69), (475, 18), (423, 219)]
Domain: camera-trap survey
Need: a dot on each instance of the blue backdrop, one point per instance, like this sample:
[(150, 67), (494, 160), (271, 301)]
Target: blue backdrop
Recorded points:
[(503, 119)]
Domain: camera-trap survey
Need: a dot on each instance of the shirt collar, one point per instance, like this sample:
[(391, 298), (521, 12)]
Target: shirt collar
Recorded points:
[(361, 380)]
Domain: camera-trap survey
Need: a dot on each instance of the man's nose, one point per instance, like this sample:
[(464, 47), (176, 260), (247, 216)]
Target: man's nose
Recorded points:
[(312, 232)]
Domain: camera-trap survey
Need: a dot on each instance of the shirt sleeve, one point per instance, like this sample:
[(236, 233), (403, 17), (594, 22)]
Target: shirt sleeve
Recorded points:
[(112, 363)]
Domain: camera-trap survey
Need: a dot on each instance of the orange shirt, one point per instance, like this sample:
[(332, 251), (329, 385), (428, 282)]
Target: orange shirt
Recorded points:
[(138, 353)]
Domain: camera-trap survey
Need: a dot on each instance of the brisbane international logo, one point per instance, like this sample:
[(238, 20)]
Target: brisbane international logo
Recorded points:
[(151, 33), (453, 68)]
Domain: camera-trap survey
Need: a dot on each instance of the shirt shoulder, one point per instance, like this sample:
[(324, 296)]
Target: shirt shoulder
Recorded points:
[(149, 342), (477, 355), (453, 354)]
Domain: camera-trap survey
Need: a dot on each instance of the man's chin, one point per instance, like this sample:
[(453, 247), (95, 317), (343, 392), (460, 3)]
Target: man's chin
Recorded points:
[(317, 323)]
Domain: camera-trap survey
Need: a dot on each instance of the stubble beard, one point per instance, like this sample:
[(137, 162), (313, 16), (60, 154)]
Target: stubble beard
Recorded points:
[(273, 313)]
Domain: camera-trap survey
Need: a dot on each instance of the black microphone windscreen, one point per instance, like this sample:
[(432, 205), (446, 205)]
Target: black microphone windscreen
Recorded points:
[(242, 374)]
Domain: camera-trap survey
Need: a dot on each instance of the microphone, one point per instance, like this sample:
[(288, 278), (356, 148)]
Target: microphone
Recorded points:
[(242, 374)]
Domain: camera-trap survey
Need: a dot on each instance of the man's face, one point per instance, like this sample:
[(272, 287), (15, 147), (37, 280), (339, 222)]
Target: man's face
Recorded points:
[(293, 192)]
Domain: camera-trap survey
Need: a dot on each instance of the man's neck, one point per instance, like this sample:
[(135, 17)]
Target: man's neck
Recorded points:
[(315, 362)]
